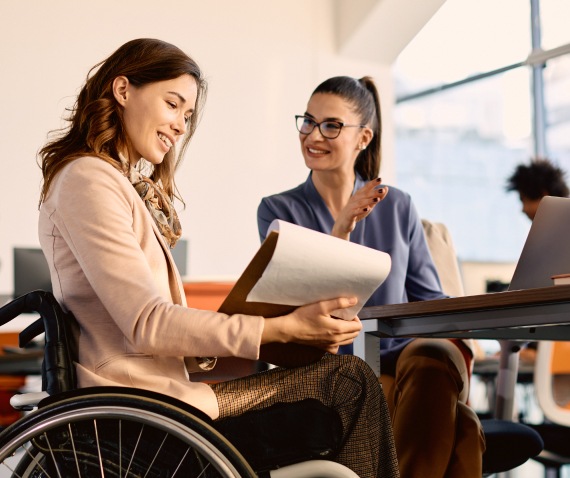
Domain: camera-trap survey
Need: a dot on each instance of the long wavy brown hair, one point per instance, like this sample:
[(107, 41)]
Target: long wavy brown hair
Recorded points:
[(96, 125)]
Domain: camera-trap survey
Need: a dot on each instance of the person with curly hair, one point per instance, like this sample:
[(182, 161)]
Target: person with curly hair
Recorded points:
[(535, 180)]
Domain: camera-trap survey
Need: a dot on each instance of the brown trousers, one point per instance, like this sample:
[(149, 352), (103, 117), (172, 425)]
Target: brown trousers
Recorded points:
[(342, 382), (436, 433)]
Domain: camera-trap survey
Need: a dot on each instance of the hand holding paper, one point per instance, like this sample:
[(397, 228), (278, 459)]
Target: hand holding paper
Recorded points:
[(314, 325), (297, 266)]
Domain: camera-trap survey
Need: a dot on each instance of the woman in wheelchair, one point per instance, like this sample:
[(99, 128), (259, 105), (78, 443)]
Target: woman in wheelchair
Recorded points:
[(106, 225)]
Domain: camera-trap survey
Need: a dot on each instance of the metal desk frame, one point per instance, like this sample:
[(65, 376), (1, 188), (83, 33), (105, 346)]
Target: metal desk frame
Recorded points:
[(511, 317)]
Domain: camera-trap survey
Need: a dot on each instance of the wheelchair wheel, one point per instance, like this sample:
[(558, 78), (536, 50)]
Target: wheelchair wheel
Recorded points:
[(130, 434)]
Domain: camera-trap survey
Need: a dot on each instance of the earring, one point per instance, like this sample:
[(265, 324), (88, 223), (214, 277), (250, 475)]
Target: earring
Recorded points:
[(362, 147)]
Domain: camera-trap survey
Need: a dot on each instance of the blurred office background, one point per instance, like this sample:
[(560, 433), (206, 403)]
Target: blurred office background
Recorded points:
[(483, 87), (262, 60), (469, 89)]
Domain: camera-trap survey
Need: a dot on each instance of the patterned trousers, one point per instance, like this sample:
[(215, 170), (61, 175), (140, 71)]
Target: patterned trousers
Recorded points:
[(343, 382)]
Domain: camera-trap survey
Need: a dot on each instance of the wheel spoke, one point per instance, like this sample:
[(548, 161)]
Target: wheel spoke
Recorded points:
[(55, 464), (134, 451), (116, 436), (156, 455), (204, 470), (74, 450), (180, 463), (98, 449), (120, 448)]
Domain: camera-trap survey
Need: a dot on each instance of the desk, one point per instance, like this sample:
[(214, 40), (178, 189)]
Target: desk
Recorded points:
[(511, 316), (528, 315), (24, 363), (14, 367)]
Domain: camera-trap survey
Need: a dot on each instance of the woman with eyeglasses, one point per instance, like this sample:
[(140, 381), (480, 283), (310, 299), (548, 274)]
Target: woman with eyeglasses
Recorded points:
[(425, 380), (107, 224)]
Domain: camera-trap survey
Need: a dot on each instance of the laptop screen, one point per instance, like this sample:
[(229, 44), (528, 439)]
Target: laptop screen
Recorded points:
[(546, 251)]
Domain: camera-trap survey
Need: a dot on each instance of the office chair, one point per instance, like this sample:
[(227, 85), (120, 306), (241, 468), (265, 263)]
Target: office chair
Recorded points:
[(552, 388)]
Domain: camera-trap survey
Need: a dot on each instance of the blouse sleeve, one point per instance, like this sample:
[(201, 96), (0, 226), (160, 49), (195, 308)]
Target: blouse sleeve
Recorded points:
[(265, 216)]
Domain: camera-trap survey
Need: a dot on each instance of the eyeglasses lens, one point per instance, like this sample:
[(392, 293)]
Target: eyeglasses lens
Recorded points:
[(305, 125), (329, 129)]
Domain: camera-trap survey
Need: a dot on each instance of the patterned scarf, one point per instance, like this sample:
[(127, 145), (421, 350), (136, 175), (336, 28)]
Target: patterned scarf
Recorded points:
[(158, 204)]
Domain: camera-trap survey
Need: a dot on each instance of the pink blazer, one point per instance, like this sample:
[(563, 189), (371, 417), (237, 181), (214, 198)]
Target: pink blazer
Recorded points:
[(111, 268)]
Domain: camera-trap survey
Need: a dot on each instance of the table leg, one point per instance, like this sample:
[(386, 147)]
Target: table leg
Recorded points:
[(507, 379), (506, 384)]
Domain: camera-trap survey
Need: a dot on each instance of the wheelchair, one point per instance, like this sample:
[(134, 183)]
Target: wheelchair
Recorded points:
[(126, 432)]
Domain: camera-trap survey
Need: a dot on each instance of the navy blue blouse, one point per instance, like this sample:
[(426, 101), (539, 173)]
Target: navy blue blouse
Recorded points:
[(393, 227)]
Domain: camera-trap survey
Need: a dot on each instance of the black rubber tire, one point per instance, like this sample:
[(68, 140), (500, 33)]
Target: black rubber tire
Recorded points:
[(118, 432)]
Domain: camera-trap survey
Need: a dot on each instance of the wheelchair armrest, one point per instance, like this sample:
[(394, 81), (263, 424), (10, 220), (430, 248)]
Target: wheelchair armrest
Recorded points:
[(27, 401), (31, 332), (58, 371), (18, 306)]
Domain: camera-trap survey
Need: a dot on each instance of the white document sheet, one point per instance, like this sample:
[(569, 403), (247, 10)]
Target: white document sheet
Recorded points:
[(309, 266)]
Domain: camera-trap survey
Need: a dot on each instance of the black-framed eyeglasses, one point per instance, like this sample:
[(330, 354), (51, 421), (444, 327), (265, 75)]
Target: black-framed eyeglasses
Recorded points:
[(329, 129)]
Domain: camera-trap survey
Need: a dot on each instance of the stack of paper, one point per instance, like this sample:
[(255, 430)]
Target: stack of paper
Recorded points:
[(561, 279), (297, 266)]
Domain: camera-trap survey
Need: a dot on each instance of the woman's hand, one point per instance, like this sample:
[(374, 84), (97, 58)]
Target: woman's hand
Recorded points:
[(314, 325), (360, 205)]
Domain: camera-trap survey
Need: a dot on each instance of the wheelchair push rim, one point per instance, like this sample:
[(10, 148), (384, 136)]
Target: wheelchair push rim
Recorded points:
[(121, 435)]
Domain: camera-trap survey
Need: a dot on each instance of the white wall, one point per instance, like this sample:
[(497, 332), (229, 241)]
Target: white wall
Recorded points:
[(262, 59), (476, 274)]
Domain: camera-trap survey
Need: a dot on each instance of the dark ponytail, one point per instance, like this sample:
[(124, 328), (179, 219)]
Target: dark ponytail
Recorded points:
[(363, 95)]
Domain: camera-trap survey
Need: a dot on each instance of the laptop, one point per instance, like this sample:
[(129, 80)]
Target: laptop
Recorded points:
[(546, 251)]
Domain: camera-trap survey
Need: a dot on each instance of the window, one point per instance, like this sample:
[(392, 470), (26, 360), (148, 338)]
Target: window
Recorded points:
[(557, 100), (461, 40), (554, 16), (464, 119), (455, 151)]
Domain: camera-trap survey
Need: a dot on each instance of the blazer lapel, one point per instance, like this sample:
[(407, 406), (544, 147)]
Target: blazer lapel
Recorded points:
[(176, 286)]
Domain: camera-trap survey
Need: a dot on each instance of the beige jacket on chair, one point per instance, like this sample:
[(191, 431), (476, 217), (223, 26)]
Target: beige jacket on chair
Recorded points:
[(445, 259), (444, 256), (111, 268)]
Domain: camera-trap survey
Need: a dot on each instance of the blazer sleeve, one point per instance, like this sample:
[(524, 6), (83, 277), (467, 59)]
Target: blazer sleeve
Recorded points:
[(96, 214)]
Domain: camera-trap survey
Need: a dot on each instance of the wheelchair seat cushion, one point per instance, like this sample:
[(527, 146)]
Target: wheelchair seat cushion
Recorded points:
[(284, 433)]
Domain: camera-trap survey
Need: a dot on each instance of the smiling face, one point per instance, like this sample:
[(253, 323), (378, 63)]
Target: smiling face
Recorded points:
[(155, 115), (339, 154)]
